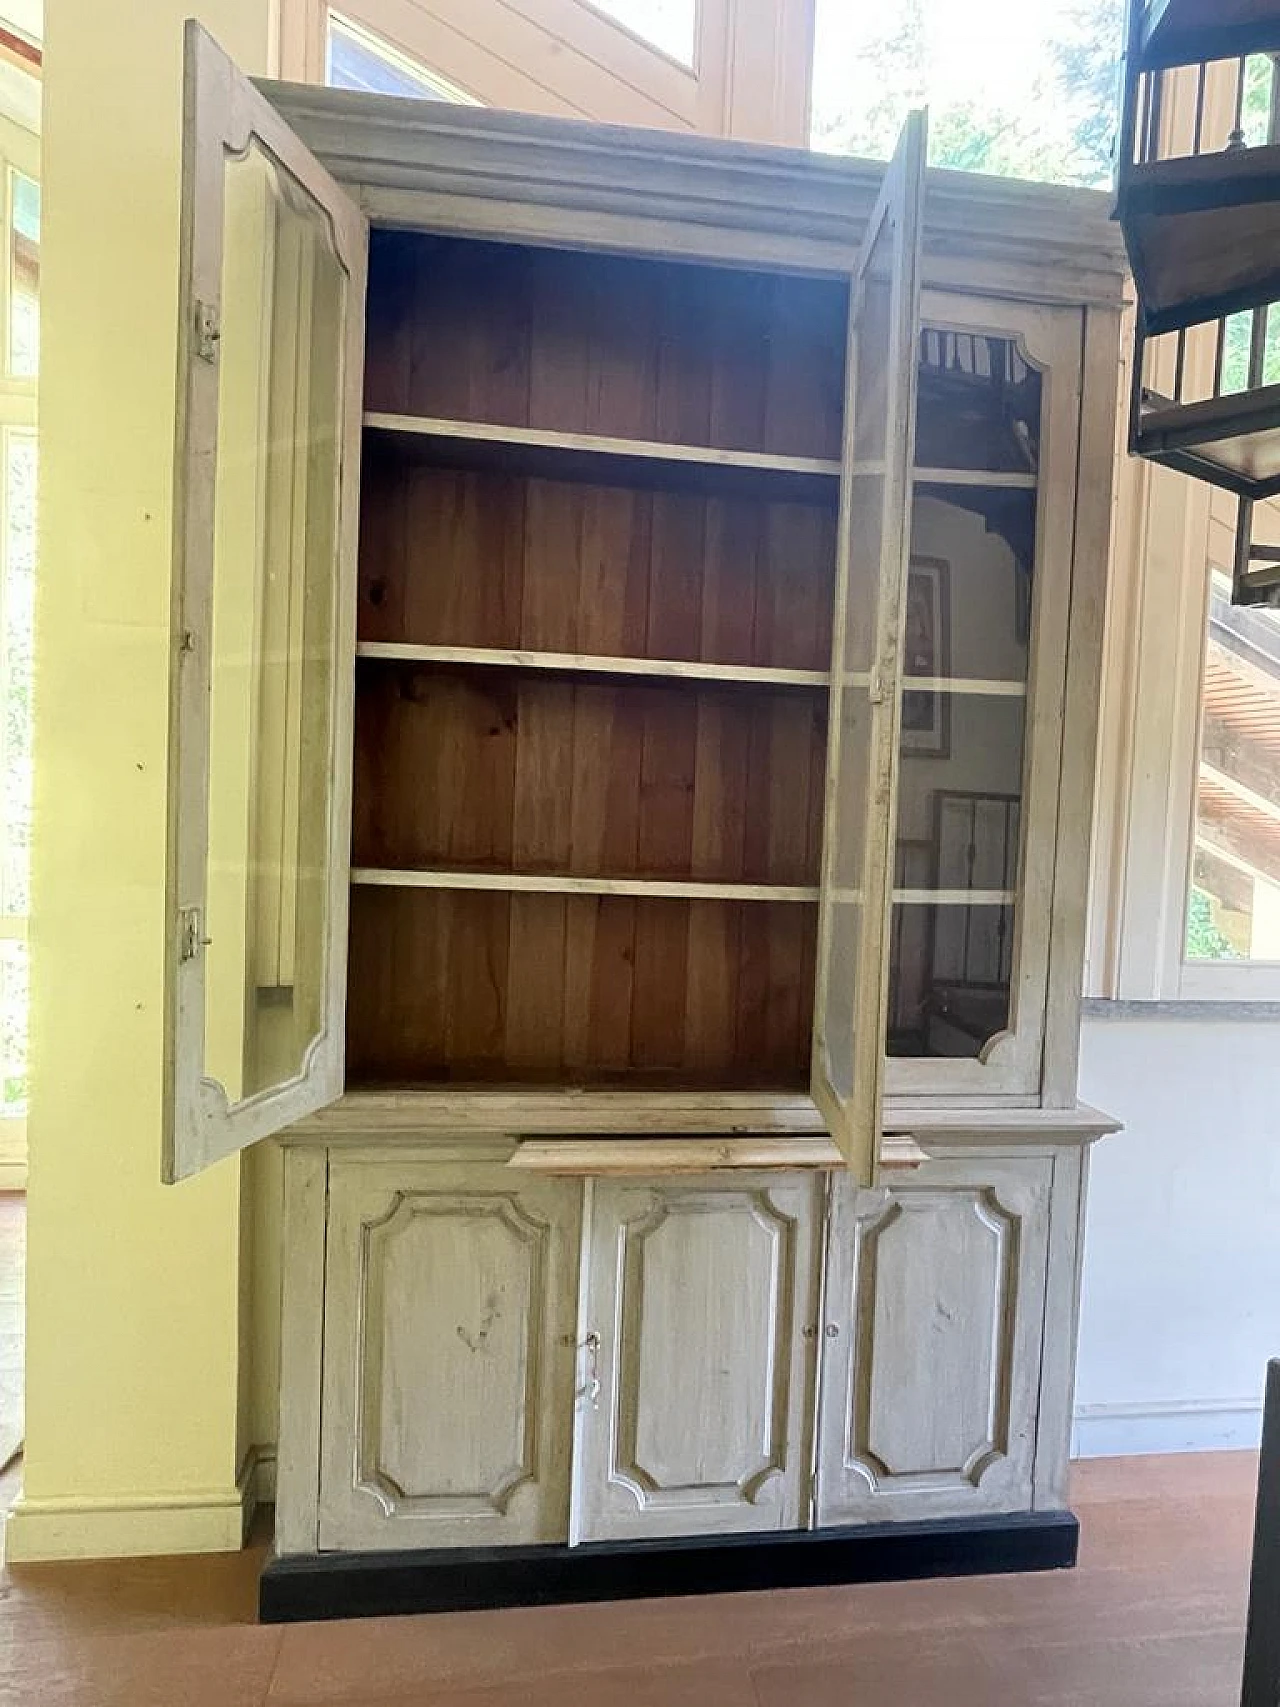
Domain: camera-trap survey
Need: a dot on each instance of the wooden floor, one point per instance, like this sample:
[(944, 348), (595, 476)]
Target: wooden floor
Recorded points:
[(1153, 1617)]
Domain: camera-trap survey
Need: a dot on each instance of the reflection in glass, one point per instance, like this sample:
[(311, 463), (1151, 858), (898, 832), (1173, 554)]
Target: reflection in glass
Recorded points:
[(980, 403), (959, 846), (950, 979), (275, 528), (24, 276)]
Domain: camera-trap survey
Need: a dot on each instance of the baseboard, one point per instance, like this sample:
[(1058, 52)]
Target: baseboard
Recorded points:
[(369, 1585), (1172, 1425), (71, 1528), (262, 1460)]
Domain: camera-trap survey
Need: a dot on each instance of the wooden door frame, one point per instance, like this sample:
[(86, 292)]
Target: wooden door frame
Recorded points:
[(750, 79)]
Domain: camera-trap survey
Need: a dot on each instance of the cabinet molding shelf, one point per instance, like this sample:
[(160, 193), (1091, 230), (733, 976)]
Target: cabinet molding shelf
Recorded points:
[(675, 669), (649, 1157), (656, 888), (556, 883), (681, 669), (588, 456)]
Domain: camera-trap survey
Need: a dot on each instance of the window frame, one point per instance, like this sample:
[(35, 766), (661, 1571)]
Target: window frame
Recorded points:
[(1162, 557)]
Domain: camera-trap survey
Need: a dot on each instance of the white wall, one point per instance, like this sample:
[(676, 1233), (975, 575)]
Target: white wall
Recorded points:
[(1181, 1305)]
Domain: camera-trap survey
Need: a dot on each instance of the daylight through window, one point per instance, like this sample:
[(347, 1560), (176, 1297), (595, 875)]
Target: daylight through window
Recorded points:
[(1022, 88)]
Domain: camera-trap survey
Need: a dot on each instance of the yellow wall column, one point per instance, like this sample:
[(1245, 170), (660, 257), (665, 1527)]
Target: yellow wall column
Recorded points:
[(134, 1288)]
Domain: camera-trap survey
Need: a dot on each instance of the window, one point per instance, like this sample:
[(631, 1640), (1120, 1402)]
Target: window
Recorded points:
[(669, 25), (1022, 88), (1233, 912), (20, 318), (356, 58)]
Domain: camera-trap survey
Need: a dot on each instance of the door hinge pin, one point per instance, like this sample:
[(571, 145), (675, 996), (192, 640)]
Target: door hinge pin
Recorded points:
[(190, 940)]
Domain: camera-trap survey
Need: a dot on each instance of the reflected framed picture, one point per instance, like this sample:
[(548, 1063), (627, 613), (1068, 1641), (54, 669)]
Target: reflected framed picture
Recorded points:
[(926, 717)]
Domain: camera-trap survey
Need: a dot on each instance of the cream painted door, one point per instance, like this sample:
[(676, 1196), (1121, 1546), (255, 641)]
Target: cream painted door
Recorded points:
[(695, 1392), (270, 355), (934, 1307), (447, 1402), (872, 547), (733, 68)]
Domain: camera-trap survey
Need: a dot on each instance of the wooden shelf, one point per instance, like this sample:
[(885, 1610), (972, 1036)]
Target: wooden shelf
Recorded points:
[(990, 480), (673, 669), (556, 883), (654, 888), (668, 669), (955, 897), (585, 456)]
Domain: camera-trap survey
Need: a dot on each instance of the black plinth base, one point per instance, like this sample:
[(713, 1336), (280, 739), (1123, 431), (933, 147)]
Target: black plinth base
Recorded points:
[(368, 1585)]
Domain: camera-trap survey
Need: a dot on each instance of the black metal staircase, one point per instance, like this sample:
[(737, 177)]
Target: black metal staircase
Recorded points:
[(1198, 198)]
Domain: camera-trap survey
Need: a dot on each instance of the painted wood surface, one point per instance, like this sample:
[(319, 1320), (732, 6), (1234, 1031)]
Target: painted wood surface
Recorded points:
[(694, 1397), (448, 1383), (932, 1342), (859, 816), (203, 1120)]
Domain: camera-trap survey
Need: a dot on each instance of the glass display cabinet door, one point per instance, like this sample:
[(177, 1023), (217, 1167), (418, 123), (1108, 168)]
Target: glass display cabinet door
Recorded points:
[(992, 539), (866, 665), (271, 302)]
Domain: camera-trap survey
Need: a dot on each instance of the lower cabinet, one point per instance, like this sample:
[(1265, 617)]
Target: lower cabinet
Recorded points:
[(448, 1380), (934, 1325), (513, 1359), (701, 1311)]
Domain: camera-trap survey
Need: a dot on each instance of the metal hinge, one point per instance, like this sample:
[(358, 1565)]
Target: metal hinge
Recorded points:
[(190, 941), (208, 330)]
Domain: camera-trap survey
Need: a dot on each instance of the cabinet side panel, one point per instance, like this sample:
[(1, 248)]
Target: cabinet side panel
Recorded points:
[(301, 1349)]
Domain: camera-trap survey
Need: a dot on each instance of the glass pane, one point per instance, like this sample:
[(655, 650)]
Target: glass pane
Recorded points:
[(1234, 906), (865, 499), (980, 403), (670, 25), (949, 986), (24, 276), (358, 59), (969, 597), (17, 604), (275, 542)]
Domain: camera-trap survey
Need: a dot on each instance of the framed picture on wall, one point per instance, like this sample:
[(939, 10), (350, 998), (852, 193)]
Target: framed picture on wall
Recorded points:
[(926, 716)]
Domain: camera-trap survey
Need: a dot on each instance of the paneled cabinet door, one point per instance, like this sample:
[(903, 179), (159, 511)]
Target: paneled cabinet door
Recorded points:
[(696, 1382), (935, 1297), (448, 1360), (270, 355)]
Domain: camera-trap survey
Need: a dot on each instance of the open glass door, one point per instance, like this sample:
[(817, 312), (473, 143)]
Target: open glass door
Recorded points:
[(866, 666), (270, 351)]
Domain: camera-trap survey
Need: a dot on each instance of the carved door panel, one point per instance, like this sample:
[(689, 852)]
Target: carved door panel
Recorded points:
[(696, 1381), (735, 68), (935, 1297), (448, 1362)]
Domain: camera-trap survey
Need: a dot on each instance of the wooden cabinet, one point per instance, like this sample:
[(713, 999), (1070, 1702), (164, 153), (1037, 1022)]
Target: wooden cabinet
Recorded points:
[(637, 624), (450, 1297), (700, 1318), (934, 1324)]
